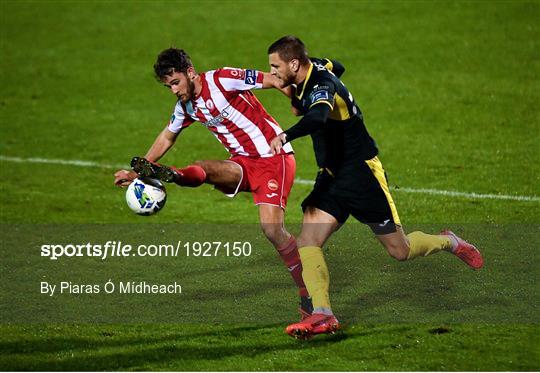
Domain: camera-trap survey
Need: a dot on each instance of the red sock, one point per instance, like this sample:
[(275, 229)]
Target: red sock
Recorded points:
[(289, 254), (191, 176)]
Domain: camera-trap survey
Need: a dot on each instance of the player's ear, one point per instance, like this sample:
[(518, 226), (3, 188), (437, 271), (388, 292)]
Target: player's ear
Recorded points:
[(190, 73), (294, 64)]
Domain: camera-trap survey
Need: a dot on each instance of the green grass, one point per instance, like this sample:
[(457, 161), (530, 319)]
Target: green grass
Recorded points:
[(247, 347), (448, 89)]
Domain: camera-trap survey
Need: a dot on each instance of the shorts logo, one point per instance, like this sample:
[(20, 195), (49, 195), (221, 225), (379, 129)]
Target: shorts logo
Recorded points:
[(209, 104), (251, 77), (273, 184), (383, 224), (173, 117)]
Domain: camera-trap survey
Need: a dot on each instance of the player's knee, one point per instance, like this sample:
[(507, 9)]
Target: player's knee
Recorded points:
[(273, 232), (303, 241), (203, 165)]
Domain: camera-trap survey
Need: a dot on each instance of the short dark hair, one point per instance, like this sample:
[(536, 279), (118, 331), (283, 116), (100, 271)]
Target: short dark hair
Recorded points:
[(171, 60), (289, 48)]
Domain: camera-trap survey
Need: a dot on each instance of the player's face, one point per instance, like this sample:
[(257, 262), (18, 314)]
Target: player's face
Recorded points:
[(281, 70), (181, 85)]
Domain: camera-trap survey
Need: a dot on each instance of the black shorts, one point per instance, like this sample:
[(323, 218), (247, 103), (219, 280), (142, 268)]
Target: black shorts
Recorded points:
[(360, 190)]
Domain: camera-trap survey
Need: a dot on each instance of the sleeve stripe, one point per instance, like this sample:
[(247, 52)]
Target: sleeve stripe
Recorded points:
[(322, 102)]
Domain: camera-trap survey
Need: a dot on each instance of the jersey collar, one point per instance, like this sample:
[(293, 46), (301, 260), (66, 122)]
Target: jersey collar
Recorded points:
[(304, 83)]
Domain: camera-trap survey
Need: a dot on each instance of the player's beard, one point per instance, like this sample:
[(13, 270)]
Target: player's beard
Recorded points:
[(190, 92), (287, 79), (191, 89)]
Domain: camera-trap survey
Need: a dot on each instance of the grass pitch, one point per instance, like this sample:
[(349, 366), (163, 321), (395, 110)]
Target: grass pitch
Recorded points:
[(449, 91)]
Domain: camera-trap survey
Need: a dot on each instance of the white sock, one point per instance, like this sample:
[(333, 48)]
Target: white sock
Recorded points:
[(324, 311)]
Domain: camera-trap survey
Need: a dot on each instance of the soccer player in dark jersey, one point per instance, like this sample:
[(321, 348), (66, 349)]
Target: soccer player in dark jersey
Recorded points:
[(351, 180)]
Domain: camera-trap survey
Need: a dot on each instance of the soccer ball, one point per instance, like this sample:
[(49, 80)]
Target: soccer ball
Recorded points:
[(146, 196)]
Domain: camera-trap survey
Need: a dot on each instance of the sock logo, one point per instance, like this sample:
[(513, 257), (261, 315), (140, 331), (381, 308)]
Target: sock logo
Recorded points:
[(291, 268)]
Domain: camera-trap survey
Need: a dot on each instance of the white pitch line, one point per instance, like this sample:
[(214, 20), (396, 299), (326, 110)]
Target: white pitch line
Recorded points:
[(450, 193), (72, 162)]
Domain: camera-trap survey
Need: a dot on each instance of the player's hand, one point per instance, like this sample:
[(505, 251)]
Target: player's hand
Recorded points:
[(277, 143), (123, 178), (295, 111)]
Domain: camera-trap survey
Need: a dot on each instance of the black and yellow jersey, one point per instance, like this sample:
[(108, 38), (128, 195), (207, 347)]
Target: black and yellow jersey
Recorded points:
[(331, 65), (331, 117)]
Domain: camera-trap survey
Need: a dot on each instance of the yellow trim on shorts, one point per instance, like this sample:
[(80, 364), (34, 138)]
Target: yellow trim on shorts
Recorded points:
[(378, 171)]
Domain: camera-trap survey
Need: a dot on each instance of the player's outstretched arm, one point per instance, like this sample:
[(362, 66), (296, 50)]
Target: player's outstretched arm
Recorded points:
[(163, 142), (313, 121), (270, 81), (161, 145)]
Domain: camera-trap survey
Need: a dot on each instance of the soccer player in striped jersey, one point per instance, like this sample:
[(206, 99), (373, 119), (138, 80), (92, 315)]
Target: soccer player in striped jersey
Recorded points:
[(351, 180), (222, 101)]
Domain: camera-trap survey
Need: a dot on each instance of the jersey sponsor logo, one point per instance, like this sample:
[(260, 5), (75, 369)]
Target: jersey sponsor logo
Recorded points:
[(217, 120), (251, 77), (319, 96), (273, 184), (317, 87)]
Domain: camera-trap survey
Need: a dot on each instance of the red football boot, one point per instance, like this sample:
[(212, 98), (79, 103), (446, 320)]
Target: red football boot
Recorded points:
[(317, 323), (303, 314), (465, 251)]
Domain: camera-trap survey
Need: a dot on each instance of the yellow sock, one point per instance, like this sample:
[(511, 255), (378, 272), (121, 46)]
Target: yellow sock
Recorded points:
[(315, 275), (422, 244)]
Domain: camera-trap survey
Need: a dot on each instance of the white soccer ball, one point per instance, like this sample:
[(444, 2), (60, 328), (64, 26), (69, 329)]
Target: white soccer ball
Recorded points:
[(146, 196)]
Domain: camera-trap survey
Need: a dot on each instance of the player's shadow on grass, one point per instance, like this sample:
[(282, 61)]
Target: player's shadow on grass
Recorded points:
[(136, 352), (427, 290)]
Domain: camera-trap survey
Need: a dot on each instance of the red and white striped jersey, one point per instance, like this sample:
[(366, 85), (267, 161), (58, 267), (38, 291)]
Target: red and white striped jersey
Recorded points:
[(228, 108)]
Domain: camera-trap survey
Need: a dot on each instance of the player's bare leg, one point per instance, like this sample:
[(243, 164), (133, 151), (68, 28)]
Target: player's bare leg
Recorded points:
[(405, 247), (272, 219), (224, 175), (317, 227), (397, 244)]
